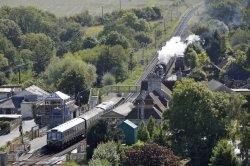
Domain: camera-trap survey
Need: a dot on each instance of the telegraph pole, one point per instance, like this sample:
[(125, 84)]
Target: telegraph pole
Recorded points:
[(164, 24), (120, 4), (102, 12)]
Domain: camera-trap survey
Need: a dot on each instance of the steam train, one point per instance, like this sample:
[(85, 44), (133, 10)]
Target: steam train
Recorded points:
[(162, 67), (75, 129)]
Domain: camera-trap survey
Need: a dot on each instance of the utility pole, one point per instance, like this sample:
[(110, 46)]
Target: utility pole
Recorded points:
[(171, 15), (164, 24), (102, 12), (155, 38), (120, 4), (19, 76)]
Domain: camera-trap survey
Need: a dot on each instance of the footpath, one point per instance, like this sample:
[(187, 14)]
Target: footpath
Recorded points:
[(27, 125)]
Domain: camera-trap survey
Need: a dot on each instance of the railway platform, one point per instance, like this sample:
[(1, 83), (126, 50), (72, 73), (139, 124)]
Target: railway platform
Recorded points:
[(35, 146)]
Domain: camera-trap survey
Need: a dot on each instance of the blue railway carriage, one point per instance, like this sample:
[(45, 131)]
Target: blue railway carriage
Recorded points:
[(92, 116), (69, 132), (66, 133)]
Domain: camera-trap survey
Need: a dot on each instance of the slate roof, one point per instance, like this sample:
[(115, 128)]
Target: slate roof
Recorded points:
[(147, 113), (7, 104), (14, 102), (214, 85), (120, 112), (58, 95), (73, 107), (36, 91), (157, 102)]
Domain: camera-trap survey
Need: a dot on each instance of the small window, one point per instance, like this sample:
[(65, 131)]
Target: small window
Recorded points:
[(59, 136), (49, 136), (53, 137)]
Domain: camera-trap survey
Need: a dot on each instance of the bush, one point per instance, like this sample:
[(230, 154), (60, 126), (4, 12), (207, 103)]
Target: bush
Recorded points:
[(106, 153), (150, 155)]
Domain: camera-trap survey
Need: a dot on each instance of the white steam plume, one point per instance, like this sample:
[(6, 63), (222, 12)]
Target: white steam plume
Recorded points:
[(175, 47)]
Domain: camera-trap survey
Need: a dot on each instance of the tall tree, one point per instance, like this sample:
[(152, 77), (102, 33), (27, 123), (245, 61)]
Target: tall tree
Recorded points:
[(70, 74), (190, 58), (194, 121), (42, 47), (11, 30), (112, 59), (152, 127), (143, 133), (223, 154), (244, 132), (102, 131), (8, 50)]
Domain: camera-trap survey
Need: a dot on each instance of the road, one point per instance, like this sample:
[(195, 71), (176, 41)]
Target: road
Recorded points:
[(27, 125)]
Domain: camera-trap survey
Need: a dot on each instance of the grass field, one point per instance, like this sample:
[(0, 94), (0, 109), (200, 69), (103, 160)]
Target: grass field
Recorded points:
[(71, 7)]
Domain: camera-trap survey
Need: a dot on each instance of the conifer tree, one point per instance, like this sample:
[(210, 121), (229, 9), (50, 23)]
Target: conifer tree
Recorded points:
[(143, 133)]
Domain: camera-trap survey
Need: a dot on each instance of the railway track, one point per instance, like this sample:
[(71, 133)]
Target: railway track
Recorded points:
[(48, 158), (178, 32)]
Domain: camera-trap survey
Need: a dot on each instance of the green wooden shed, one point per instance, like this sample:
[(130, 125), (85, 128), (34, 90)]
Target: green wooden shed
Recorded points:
[(130, 131)]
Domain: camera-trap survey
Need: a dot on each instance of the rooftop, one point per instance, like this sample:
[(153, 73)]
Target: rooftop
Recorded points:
[(131, 124), (214, 85), (36, 91), (67, 125), (11, 116), (58, 95)]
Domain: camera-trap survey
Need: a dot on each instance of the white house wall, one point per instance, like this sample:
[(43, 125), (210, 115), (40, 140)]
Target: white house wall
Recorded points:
[(26, 110)]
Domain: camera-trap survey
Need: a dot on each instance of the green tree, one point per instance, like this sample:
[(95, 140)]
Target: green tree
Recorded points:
[(112, 59), (42, 47), (202, 58), (248, 57), (90, 42), (152, 127), (11, 30), (194, 121), (108, 79), (114, 38), (223, 154), (143, 133), (190, 58), (244, 132), (3, 61), (142, 37), (84, 18), (70, 74), (8, 50), (102, 131), (33, 20), (106, 151), (217, 10)]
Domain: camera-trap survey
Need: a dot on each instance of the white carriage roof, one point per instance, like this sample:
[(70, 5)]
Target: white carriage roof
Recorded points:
[(11, 116), (91, 113), (106, 105), (67, 125), (241, 90)]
